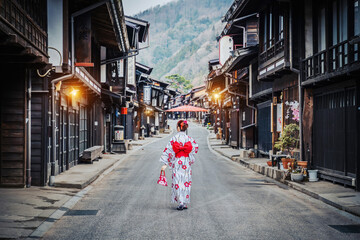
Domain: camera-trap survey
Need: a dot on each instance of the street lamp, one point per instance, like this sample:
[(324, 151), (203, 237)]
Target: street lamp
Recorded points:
[(74, 92)]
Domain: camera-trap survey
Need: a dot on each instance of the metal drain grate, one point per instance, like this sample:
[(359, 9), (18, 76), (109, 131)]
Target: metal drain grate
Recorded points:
[(81, 213), (347, 228)]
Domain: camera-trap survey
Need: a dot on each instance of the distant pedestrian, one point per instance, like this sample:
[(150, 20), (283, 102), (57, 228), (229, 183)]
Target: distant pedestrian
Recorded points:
[(179, 156)]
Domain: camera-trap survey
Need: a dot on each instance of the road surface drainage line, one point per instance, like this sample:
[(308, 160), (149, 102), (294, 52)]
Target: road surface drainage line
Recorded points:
[(346, 228), (346, 196), (81, 213)]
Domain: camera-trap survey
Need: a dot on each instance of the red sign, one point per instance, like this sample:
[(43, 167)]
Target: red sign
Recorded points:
[(124, 110), (84, 64)]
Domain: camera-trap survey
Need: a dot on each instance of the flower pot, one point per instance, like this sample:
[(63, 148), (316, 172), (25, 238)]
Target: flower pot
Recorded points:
[(269, 163), (302, 164), (297, 177), (313, 175), (285, 162)]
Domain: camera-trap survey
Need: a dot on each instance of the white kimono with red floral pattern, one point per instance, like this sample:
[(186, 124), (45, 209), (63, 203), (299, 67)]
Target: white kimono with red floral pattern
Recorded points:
[(180, 166)]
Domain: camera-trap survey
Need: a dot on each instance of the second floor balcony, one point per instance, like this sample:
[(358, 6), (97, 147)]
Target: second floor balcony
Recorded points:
[(333, 61), (25, 24)]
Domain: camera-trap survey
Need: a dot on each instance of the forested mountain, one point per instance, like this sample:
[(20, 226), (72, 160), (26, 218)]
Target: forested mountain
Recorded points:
[(183, 37)]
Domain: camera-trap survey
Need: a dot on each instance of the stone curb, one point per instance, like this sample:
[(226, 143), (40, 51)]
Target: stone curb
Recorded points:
[(278, 175)]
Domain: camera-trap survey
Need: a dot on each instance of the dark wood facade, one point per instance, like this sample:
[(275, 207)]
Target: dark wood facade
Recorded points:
[(330, 73), (13, 131), (23, 50)]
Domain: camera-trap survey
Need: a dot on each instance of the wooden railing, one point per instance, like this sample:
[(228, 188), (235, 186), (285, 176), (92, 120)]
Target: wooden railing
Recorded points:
[(273, 48), (330, 60), (315, 65), (19, 20)]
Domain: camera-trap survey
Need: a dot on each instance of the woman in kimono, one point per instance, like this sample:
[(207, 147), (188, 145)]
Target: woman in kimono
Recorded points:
[(179, 156)]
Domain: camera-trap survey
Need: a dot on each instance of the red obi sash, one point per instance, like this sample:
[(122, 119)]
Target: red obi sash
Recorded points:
[(182, 151)]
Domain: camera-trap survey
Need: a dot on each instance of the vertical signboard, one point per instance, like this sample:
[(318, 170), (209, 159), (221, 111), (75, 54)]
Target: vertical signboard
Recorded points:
[(120, 66), (147, 95), (83, 38), (279, 119), (131, 71)]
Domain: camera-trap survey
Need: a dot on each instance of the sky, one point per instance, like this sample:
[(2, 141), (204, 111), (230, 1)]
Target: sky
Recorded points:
[(132, 7)]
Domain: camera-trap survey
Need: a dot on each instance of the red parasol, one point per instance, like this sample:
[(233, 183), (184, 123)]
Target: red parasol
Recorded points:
[(187, 108)]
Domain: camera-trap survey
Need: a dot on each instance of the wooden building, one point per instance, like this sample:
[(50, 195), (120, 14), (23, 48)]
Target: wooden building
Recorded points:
[(330, 81), (153, 98), (276, 70), (138, 33), (23, 99), (278, 61), (82, 92), (306, 72), (215, 84), (241, 113)]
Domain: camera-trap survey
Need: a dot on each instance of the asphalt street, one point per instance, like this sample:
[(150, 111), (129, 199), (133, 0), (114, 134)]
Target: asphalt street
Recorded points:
[(228, 201)]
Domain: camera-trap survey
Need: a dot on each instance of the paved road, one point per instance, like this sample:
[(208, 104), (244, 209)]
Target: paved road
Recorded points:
[(228, 202)]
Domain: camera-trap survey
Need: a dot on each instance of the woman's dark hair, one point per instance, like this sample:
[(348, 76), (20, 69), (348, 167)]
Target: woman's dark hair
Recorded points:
[(183, 125)]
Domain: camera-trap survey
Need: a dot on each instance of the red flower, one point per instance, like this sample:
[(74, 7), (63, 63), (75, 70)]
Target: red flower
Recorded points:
[(176, 186), (170, 155), (174, 175), (165, 149), (175, 199), (186, 184), (170, 164), (187, 196), (184, 167), (168, 159), (196, 149), (190, 183), (180, 162)]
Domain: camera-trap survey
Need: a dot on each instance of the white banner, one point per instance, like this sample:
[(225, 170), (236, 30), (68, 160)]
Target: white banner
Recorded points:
[(279, 117), (147, 94), (120, 66), (131, 71)]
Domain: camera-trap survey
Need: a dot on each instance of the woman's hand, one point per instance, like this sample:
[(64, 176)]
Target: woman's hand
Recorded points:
[(163, 167)]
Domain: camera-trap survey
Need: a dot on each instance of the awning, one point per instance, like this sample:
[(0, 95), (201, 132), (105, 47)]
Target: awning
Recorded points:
[(199, 94), (87, 79), (240, 59), (109, 97), (215, 82), (81, 78), (141, 24), (143, 68)]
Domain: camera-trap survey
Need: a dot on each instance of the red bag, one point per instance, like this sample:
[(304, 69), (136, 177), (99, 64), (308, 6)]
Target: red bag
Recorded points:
[(162, 179)]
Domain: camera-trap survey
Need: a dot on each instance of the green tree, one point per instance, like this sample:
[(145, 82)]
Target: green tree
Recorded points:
[(179, 83)]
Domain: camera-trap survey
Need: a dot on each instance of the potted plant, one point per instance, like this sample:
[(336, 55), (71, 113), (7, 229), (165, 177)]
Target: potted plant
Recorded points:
[(297, 175), (296, 172), (288, 141)]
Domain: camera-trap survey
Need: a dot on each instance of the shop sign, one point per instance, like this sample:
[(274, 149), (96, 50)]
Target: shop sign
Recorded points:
[(131, 71), (279, 119), (147, 94)]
